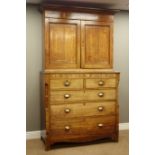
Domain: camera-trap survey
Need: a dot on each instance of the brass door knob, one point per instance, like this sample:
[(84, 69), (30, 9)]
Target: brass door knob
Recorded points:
[(100, 125), (67, 110), (100, 94), (101, 83), (67, 128), (67, 83), (100, 108), (66, 96)]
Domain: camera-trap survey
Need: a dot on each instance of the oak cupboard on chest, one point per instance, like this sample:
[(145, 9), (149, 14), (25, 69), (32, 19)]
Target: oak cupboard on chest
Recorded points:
[(80, 88)]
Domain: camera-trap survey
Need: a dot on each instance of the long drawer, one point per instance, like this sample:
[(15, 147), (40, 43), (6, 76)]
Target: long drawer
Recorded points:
[(85, 125), (88, 95), (82, 109)]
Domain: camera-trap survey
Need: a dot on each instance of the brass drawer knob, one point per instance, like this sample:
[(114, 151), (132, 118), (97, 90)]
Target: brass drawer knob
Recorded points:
[(100, 108), (101, 83), (100, 94), (66, 96), (67, 128), (67, 110), (67, 83), (100, 125)]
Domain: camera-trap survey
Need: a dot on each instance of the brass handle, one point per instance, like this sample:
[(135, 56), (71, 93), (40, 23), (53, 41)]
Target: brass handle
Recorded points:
[(101, 83), (100, 108), (100, 94), (66, 96), (67, 128), (67, 83), (67, 110), (100, 125)]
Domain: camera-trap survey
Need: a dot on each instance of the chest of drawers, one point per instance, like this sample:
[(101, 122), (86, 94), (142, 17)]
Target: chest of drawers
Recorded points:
[(80, 87), (80, 107)]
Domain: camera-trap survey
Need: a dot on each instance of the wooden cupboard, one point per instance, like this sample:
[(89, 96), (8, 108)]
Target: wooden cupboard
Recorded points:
[(76, 43), (80, 88)]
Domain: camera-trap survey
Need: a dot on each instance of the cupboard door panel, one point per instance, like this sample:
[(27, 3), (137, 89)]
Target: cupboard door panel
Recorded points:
[(62, 43), (96, 44)]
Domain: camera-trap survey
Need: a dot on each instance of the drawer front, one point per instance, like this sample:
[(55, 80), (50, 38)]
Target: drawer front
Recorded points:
[(101, 83), (82, 109), (66, 84), (109, 94), (87, 126), (66, 96)]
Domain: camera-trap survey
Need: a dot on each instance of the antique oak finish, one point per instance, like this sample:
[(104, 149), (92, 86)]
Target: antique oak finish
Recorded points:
[(62, 43), (80, 88), (96, 44)]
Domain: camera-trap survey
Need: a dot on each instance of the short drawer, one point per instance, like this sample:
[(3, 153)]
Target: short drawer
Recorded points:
[(66, 84), (66, 96), (101, 83), (86, 125), (82, 109), (109, 94)]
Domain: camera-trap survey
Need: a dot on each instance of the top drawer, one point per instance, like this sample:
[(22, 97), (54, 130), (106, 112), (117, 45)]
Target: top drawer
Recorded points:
[(101, 83), (66, 84)]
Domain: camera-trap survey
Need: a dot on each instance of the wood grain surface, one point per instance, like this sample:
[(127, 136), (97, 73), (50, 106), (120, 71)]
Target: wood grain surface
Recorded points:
[(80, 87)]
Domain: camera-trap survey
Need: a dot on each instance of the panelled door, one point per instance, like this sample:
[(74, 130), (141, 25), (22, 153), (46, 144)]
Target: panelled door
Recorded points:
[(96, 44), (62, 43)]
